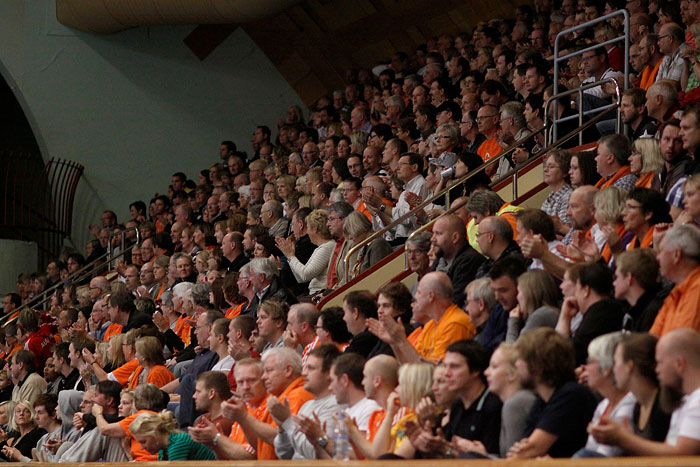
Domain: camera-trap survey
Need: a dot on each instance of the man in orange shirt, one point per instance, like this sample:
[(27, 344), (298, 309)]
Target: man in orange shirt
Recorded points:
[(380, 378), (487, 119), (282, 379), (679, 262), (446, 323)]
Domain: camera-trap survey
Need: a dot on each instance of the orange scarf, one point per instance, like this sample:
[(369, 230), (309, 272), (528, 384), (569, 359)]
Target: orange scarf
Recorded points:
[(645, 180), (649, 76), (233, 312), (606, 253), (603, 183), (646, 241)]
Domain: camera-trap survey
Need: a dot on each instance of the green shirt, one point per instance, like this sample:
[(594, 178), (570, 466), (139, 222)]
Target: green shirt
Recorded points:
[(182, 448)]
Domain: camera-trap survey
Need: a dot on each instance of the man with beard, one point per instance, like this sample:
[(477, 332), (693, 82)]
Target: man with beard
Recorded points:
[(678, 369)]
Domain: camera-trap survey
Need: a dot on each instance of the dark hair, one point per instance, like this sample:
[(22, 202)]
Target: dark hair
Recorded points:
[(328, 353), (62, 350), (140, 207), (508, 266), (428, 110), (230, 145), (476, 355), (549, 356), (538, 222), (27, 358), (597, 276), (641, 349), (399, 295), (218, 381), (123, 300), (350, 364), (265, 131), (340, 164), (587, 166), (50, 402), (651, 201), (364, 301), (334, 324), (111, 389)]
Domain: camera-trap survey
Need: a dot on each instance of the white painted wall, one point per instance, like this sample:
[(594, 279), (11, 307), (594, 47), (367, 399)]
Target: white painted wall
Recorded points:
[(135, 106)]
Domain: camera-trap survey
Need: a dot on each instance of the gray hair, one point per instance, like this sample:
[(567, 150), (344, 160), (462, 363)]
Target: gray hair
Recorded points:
[(394, 100), (619, 145), (181, 289), (501, 228), (602, 348), (480, 289), (514, 110), (421, 240), (342, 208), (265, 266), (684, 237), (200, 293), (415, 79), (285, 357), (275, 208), (451, 130), (166, 297)]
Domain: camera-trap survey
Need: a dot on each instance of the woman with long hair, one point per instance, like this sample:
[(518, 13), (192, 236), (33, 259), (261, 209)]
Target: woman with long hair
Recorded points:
[(14, 449), (538, 304)]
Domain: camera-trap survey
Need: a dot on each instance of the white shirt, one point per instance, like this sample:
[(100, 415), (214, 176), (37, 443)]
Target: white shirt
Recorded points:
[(225, 364), (623, 410), (598, 90), (685, 420), (361, 411), (290, 442), (418, 186)]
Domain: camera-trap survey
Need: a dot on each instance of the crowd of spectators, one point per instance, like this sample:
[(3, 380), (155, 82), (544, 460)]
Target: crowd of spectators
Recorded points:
[(568, 330)]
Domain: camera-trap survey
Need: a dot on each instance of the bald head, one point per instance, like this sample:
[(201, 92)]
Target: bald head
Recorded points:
[(376, 183), (453, 224), (385, 367), (683, 343), (100, 282), (439, 283)]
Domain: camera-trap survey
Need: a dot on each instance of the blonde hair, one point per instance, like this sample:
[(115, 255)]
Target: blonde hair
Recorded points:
[(318, 218), (116, 356), (415, 382), (610, 202), (10, 412), (153, 424), (651, 155), (27, 405), (539, 290), (356, 223), (204, 254)]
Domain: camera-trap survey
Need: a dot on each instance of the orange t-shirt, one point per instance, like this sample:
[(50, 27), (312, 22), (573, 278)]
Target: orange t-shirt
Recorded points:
[(183, 330), (680, 309), (488, 149), (138, 453), (124, 372), (159, 375), (297, 396), (237, 434), (453, 326), (112, 330)]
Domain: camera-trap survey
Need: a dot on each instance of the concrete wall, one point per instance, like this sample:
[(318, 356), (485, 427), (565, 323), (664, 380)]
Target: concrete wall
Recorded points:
[(135, 106), (15, 255)]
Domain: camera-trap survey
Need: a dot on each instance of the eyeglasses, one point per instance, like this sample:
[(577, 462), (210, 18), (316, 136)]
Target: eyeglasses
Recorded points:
[(334, 218)]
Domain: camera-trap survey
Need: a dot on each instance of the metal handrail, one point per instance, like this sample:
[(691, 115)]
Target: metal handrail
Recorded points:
[(515, 171), (442, 192), (79, 275), (557, 59), (549, 136)]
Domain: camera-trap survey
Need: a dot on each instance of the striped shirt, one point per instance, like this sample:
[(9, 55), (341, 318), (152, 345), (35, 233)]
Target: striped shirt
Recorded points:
[(182, 448)]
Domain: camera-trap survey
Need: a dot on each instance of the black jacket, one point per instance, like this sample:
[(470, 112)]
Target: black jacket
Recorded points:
[(462, 270)]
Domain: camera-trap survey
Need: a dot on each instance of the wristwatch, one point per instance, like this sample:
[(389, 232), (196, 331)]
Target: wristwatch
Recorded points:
[(322, 441), (215, 442), (382, 207)]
